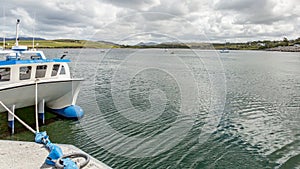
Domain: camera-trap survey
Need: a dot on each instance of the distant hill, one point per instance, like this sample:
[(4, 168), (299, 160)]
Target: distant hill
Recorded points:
[(22, 38), (61, 43), (108, 43), (146, 44), (278, 45), (157, 45)]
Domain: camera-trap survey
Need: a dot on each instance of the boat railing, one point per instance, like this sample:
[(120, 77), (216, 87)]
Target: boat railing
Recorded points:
[(23, 55), (12, 57)]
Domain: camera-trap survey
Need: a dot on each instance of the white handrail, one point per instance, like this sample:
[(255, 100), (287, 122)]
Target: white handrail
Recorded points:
[(22, 122)]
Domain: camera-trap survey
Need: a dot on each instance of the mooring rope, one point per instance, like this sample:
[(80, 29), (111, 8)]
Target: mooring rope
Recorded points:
[(36, 112), (15, 116), (55, 157)]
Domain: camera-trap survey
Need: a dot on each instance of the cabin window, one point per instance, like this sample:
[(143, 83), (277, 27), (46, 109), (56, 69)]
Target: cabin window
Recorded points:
[(25, 72), (4, 74), (41, 71), (55, 70), (62, 70)]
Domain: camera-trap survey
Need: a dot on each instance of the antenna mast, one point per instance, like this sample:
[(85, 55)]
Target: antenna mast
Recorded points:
[(33, 42), (3, 40), (33, 32), (4, 20), (17, 33)]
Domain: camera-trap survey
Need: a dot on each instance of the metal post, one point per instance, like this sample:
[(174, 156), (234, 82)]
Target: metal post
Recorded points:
[(36, 106), (11, 120)]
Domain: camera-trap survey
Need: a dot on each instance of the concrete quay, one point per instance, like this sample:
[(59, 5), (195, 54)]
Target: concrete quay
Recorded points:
[(30, 155)]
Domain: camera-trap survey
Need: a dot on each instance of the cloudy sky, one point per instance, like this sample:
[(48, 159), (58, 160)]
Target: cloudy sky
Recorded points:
[(133, 21)]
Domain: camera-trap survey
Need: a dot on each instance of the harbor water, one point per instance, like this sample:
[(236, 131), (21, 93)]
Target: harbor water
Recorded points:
[(181, 108)]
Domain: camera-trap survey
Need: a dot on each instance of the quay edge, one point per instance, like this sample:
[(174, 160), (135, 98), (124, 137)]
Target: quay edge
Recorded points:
[(21, 154)]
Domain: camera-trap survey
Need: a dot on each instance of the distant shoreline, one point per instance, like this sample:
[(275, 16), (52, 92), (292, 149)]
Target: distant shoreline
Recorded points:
[(285, 49), (79, 44)]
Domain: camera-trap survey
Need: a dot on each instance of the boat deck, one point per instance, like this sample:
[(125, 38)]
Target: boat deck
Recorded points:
[(20, 155)]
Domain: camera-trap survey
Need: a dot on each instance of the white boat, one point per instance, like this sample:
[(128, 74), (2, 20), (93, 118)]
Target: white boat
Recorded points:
[(27, 77), (224, 51)]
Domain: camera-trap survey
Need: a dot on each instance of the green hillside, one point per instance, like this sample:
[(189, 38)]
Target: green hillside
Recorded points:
[(62, 43)]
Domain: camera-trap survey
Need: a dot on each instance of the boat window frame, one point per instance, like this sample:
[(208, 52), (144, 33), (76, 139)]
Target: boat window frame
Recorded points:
[(62, 70), (41, 74), (53, 74), (2, 79), (26, 75)]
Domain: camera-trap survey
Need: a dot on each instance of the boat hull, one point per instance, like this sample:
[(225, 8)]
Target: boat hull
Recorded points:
[(57, 94)]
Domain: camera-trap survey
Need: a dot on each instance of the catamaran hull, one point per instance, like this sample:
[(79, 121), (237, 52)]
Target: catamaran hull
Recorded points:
[(59, 95)]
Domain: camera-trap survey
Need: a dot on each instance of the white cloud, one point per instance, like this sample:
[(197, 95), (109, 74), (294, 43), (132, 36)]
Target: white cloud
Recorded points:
[(189, 20)]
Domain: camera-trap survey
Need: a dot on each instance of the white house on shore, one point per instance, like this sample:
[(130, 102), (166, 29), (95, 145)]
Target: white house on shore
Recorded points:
[(297, 45)]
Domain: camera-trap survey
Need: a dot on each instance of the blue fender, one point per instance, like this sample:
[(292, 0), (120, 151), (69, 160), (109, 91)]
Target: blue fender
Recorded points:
[(70, 112)]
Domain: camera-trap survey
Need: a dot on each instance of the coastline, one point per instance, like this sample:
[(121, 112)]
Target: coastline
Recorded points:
[(285, 49), (69, 43)]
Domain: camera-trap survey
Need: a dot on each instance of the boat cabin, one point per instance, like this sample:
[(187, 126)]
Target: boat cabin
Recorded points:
[(31, 65)]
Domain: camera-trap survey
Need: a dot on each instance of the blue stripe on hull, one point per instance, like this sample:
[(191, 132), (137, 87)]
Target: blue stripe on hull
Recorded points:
[(42, 118), (11, 124), (14, 62)]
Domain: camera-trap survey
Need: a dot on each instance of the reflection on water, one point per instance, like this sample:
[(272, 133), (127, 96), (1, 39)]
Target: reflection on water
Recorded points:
[(259, 127)]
